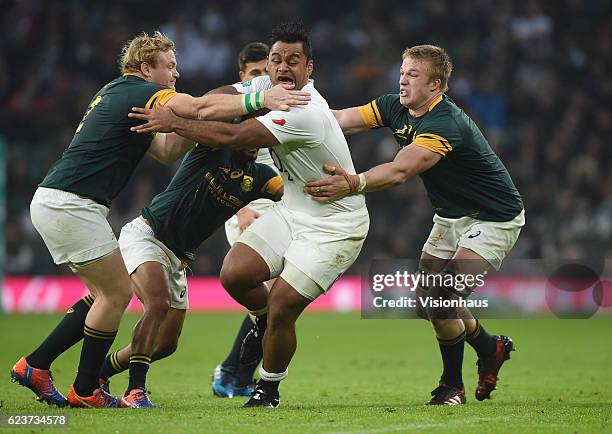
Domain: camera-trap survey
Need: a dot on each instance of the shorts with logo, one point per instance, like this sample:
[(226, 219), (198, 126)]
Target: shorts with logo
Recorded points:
[(310, 253), (490, 240), (139, 245), (74, 228)]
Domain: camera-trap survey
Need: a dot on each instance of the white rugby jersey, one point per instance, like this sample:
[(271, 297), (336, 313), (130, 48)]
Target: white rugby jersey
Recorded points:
[(309, 137)]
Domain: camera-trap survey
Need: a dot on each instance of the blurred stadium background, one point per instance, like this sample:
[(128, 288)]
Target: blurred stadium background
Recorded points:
[(535, 76)]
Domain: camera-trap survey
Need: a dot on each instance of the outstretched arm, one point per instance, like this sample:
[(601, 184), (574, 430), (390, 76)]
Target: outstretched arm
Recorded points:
[(246, 135), (350, 120), (222, 106), (408, 162)]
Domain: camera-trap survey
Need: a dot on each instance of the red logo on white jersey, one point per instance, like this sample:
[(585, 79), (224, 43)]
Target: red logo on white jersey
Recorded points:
[(280, 122)]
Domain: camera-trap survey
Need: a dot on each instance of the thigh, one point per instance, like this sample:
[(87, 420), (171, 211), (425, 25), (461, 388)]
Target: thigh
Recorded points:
[(269, 237), (151, 281), (105, 276)]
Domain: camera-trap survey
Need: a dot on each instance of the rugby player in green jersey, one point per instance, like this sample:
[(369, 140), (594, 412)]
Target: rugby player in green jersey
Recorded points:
[(70, 206), (478, 211), (208, 188)]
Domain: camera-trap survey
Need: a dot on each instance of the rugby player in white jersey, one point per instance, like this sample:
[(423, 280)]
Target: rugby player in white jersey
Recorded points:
[(306, 244), (231, 378)]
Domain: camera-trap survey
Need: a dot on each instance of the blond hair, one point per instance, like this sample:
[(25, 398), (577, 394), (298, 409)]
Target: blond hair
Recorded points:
[(440, 65), (143, 49)]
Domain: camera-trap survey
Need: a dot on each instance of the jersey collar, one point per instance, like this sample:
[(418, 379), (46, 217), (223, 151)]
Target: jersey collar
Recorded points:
[(435, 102)]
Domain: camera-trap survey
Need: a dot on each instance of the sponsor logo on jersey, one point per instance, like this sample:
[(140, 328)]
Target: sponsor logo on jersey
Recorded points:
[(280, 122), (247, 183)]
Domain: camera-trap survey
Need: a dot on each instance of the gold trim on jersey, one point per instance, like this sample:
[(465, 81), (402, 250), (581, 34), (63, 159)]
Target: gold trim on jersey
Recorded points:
[(273, 185), (370, 115), (434, 143), (435, 103), (160, 97)]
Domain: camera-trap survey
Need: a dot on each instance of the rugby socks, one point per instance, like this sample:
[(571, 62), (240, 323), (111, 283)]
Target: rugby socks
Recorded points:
[(111, 366), (67, 333), (233, 358), (452, 359), (96, 344), (484, 343), (139, 366), (269, 381)]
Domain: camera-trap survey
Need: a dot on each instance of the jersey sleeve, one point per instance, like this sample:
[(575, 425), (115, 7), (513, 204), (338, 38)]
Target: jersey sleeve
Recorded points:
[(161, 97), (271, 182), (439, 134), (379, 111), (256, 84), (301, 126)]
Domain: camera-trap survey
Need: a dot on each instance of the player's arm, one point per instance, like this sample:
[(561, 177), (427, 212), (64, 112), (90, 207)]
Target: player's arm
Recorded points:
[(220, 106), (169, 147), (350, 120), (245, 135), (410, 161)]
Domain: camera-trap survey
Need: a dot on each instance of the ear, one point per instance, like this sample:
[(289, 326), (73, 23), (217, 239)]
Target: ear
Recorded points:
[(437, 83), (241, 75), (309, 68), (145, 69)]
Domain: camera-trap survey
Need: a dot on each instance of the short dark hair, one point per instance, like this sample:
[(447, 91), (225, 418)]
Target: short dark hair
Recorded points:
[(292, 32), (253, 52)]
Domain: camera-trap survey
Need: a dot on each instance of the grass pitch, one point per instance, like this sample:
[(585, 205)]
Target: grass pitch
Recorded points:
[(349, 376)]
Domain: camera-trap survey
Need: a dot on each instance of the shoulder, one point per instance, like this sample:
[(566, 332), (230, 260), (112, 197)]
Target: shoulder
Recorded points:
[(256, 84)]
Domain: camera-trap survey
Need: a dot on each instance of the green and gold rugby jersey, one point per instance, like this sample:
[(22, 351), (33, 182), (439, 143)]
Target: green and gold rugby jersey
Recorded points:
[(470, 179), (104, 152), (208, 188)]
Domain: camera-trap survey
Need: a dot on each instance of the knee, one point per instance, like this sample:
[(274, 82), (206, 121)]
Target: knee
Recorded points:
[(165, 349), (119, 300), (235, 277), (281, 313), (158, 306)]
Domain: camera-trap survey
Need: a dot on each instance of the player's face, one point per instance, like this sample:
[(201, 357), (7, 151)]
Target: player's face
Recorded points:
[(254, 69), (415, 86), (164, 71), (287, 65)]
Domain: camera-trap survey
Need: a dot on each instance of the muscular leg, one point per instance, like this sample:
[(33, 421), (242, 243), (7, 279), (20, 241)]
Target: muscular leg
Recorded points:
[(108, 279), (285, 305), (165, 345), (152, 287)]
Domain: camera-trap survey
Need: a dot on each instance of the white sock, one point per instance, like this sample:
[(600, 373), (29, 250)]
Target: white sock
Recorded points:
[(272, 376)]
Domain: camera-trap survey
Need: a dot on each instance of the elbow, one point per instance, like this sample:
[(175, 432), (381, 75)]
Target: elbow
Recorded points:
[(402, 174)]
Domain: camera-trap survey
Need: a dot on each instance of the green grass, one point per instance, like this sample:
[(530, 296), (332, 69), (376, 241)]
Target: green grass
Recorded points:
[(349, 376)]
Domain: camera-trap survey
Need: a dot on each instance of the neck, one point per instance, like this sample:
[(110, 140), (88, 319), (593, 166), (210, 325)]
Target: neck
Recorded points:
[(422, 109), (136, 74)]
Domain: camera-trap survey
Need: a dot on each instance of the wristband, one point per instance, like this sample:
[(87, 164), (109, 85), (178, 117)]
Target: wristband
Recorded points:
[(362, 183), (253, 101)]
